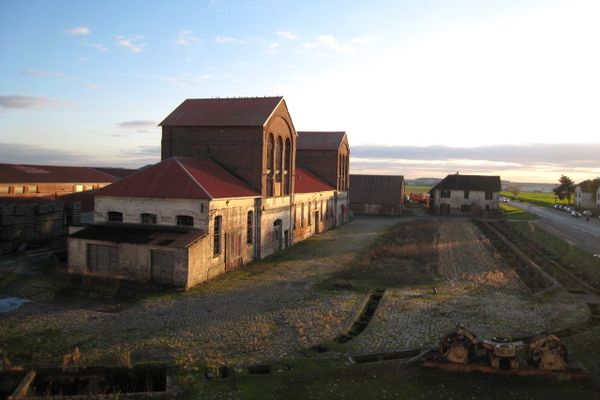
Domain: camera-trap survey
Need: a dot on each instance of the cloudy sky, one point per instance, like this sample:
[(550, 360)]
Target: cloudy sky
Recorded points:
[(423, 88)]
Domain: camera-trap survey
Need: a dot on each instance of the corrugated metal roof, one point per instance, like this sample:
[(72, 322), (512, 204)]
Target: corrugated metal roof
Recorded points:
[(28, 173), (320, 140), (307, 182), (376, 189), (245, 111), (180, 178), (155, 235), (469, 182)]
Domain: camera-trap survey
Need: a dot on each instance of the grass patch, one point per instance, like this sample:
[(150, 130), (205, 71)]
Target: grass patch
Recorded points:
[(391, 380), (515, 213), (540, 199), (399, 257), (568, 254)]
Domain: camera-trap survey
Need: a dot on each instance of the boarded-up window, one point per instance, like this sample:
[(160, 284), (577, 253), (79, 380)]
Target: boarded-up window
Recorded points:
[(490, 195), (163, 266), (103, 259)]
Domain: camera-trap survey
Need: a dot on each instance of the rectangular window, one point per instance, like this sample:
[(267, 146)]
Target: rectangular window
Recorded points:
[(489, 195), (18, 190), (217, 236), (321, 211), (78, 188), (148, 218), (309, 216), (465, 208), (466, 196), (32, 189), (3, 189), (250, 227), (185, 220), (445, 194), (115, 216)]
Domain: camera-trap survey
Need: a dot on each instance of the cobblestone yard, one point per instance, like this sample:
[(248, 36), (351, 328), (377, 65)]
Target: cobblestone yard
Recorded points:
[(260, 312), (274, 308), (477, 290)]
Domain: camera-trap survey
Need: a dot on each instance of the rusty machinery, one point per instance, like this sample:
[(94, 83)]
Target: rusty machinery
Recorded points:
[(458, 351)]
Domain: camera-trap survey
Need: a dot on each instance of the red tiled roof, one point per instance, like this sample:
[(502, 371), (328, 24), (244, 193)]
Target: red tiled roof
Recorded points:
[(180, 178), (589, 185), (116, 172), (307, 182), (27, 173), (320, 140), (245, 111), (376, 189)]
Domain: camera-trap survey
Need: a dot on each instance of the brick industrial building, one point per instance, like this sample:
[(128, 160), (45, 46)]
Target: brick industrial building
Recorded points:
[(227, 191)]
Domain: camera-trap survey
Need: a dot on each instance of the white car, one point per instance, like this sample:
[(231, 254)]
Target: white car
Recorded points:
[(576, 214), (587, 213)]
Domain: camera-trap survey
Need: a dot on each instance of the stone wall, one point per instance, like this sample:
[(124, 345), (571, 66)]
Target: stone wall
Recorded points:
[(321, 202), (166, 210), (375, 209), (32, 222)]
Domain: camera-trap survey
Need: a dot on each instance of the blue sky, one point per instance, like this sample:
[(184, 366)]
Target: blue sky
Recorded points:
[(86, 82)]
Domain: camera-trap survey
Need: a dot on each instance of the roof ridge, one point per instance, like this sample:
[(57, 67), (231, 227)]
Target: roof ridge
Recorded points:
[(193, 179)]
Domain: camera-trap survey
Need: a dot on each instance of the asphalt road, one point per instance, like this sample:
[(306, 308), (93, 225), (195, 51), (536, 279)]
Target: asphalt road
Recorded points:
[(582, 233)]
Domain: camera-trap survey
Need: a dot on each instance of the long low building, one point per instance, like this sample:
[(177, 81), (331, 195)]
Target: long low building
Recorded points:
[(376, 194)]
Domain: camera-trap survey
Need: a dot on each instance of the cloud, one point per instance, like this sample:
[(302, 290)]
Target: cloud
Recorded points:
[(186, 79), (80, 30), (132, 44), (139, 125), (228, 39), (186, 38), (326, 42), (27, 153), (289, 35), (27, 102), (535, 162), (100, 47), (48, 74)]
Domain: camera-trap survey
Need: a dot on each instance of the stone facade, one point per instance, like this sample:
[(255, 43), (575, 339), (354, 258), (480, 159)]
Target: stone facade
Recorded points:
[(585, 200), (313, 213), (477, 203)]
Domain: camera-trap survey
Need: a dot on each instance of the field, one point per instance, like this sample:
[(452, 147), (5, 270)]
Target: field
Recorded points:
[(515, 213), (417, 189), (540, 199)]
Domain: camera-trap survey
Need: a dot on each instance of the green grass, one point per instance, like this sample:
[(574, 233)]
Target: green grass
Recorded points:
[(515, 213), (540, 199), (417, 189), (569, 254)]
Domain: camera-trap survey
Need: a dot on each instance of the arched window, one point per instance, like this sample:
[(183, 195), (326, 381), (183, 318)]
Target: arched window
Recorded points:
[(147, 218), (185, 220), (270, 170), (339, 183), (250, 227), (217, 236), (287, 170), (115, 216), (278, 164), (347, 171)]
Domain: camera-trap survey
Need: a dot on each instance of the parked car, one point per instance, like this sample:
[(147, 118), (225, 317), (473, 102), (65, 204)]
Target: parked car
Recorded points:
[(576, 214), (558, 206), (587, 213)]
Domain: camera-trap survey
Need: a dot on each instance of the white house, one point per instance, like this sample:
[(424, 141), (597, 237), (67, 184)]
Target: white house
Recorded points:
[(475, 195)]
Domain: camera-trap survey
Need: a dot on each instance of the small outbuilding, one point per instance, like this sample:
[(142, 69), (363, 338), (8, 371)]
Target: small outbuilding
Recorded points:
[(376, 194), (467, 195)]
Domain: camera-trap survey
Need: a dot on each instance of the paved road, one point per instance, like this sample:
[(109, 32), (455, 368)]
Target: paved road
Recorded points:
[(582, 233)]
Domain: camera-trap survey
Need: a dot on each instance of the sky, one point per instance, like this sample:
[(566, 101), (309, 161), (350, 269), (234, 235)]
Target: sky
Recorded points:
[(423, 88)]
